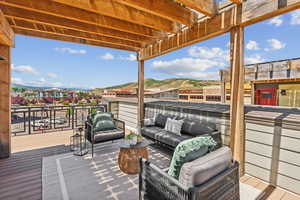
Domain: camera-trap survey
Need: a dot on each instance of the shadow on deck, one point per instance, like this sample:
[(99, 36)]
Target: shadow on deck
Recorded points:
[(21, 174)]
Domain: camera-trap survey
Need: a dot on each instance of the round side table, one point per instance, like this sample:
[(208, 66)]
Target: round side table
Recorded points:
[(129, 157)]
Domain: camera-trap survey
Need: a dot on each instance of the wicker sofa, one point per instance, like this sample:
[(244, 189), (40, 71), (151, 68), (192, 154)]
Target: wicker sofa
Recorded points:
[(211, 177), (191, 128)]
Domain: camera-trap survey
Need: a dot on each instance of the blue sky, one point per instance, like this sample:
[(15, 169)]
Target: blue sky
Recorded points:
[(41, 62)]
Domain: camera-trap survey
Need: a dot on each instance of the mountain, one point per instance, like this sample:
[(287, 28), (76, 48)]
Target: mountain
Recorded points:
[(43, 88), (167, 83)]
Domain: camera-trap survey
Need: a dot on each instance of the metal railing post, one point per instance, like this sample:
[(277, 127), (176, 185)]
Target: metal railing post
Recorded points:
[(29, 120), (72, 112)]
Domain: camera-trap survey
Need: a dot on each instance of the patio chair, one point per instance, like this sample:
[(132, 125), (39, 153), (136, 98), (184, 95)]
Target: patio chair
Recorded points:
[(155, 183), (99, 136)]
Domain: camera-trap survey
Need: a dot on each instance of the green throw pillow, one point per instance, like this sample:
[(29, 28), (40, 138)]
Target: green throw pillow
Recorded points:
[(188, 151), (104, 125), (101, 116)]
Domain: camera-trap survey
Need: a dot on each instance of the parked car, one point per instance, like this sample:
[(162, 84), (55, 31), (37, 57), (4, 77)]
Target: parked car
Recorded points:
[(59, 120), (40, 124)]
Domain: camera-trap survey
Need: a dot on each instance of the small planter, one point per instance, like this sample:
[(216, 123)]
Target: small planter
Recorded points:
[(133, 140)]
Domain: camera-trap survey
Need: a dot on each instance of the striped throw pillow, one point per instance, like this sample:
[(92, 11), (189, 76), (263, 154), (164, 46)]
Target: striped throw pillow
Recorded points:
[(174, 126)]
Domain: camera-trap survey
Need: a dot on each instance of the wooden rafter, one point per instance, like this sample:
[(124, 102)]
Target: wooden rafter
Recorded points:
[(67, 12), (124, 12), (34, 17), (56, 36), (236, 1), (207, 7), (25, 25), (252, 12), (203, 30), (257, 11), (6, 33), (164, 8)]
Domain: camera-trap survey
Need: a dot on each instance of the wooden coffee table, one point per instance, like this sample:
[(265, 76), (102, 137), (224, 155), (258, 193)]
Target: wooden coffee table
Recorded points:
[(129, 157)]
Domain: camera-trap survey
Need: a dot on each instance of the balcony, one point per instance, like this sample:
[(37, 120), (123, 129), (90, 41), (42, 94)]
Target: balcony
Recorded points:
[(264, 140), (22, 173)]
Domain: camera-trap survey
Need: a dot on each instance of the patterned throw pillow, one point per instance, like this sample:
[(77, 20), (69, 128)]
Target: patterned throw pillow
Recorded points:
[(174, 126), (189, 150), (149, 122)]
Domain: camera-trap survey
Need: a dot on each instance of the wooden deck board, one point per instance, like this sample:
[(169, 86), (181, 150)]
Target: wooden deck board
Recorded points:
[(21, 174)]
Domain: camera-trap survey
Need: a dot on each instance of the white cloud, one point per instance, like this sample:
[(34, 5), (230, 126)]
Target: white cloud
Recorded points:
[(70, 50), (130, 57), (277, 21), (24, 69), (295, 17), (188, 67), (52, 75), (42, 82), (107, 56), (17, 81), (252, 45), (209, 53), (252, 59), (275, 45)]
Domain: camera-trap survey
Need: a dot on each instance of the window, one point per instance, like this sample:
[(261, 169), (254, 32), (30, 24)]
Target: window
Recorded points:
[(266, 95), (213, 98), (196, 97), (184, 97)]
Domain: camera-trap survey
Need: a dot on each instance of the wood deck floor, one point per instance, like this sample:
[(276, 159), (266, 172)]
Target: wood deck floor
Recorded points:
[(21, 174)]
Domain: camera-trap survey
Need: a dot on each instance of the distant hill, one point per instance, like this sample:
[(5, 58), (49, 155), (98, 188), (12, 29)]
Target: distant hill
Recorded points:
[(44, 88), (168, 83)]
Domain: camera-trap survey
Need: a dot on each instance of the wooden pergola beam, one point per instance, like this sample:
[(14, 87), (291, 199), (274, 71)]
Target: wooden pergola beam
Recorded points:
[(25, 25), (237, 114), (164, 8), (67, 12), (60, 37), (257, 11), (252, 12), (124, 12), (207, 7), (5, 102), (141, 88), (6, 33), (35, 17), (201, 31), (238, 2)]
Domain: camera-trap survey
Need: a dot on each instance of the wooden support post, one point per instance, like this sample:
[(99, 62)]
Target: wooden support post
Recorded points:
[(140, 93), (252, 93), (223, 87), (237, 118), (5, 104)]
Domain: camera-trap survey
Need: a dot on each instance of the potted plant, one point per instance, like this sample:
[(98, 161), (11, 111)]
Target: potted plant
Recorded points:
[(132, 138)]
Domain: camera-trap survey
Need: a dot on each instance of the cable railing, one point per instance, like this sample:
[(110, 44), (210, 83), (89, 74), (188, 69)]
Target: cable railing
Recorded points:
[(41, 119)]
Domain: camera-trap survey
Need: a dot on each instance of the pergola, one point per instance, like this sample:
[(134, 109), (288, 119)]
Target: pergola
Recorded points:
[(148, 27)]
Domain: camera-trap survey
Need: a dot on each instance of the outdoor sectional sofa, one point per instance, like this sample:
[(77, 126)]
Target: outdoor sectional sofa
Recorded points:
[(191, 128)]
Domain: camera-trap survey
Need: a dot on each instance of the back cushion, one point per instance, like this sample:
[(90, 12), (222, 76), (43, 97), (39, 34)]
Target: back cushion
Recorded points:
[(160, 120), (104, 125), (189, 150), (204, 168), (197, 127), (100, 116)]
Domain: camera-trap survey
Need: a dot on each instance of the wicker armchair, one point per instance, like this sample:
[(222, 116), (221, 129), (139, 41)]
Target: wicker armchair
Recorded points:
[(103, 136), (155, 183)]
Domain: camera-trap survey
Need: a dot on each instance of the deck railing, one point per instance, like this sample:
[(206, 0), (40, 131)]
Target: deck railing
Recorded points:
[(39, 119)]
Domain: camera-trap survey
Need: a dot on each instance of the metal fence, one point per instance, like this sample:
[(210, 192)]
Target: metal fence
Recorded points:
[(30, 120)]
